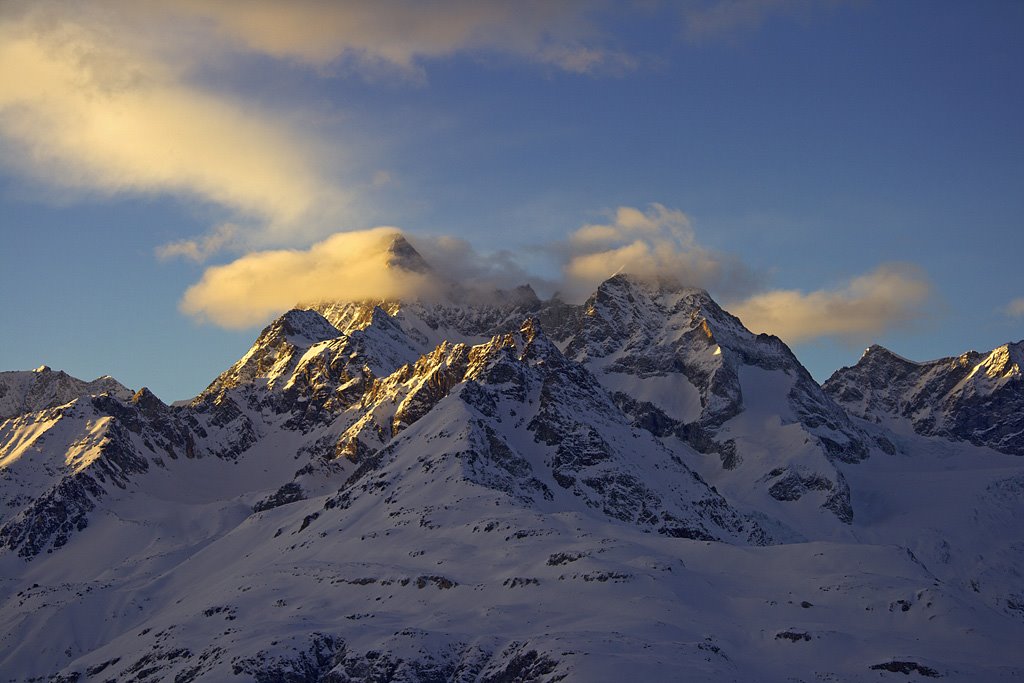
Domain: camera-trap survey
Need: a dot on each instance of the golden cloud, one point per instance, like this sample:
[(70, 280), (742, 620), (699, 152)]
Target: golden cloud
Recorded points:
[(893, 295), (346, 266), (85, 112), (654, 243)]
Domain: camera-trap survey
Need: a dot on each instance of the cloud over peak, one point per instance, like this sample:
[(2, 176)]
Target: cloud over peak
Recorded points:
[(347, 266), (653, 243)]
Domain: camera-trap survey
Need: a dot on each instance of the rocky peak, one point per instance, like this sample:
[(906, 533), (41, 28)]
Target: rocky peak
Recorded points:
[(29, 391), (975, 397), (299, 327), (276, 351), (402, 255), (1004, 362), (148, 401)]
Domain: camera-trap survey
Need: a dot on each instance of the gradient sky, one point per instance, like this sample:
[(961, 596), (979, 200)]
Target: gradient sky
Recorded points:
[(839, 173)]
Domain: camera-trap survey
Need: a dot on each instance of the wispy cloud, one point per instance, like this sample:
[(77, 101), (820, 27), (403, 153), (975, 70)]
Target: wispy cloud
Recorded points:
[(400, 34), (199, 249), (1015, 309), (654, 243), (709, 20), (893, 295), (106, 96), (80, 110)]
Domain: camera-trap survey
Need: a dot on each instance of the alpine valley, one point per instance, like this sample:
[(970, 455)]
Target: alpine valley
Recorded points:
[(505, 489)]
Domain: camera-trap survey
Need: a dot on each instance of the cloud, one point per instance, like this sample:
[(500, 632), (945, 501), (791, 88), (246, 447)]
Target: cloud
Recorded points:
[(893, 295), (657, 244), (725, 19), (82, 110), (401, 33), (201, 248), (1015, 309), (654, 243), (475, 273), (346, 266), (105, 96)]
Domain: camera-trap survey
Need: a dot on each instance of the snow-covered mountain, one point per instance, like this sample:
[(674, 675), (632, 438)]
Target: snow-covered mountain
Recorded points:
[(498, 488), (25, 392), (974, 397)]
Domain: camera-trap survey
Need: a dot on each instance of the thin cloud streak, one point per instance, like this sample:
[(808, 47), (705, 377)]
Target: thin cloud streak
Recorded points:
[(718, 20), (199, 249), (401, 34)]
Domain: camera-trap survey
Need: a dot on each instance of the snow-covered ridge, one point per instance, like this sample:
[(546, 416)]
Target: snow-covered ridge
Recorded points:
[(29, 391), (974, 397)]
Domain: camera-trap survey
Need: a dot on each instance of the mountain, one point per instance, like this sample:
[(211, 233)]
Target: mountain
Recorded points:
[(681, 366), (491, 487), (975, 397), (24, 392), (678, 366)]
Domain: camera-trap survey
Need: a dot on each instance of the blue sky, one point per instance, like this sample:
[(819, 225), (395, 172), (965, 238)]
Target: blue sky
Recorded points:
[(838, 173)]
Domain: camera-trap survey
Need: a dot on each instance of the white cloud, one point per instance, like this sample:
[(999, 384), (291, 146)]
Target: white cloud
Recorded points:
[(655, 243), (1015, 309), (893, 295)]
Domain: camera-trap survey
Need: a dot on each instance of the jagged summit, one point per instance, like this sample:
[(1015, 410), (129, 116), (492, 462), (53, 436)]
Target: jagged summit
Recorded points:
[(28, 391), (878, 353), (974, 397)]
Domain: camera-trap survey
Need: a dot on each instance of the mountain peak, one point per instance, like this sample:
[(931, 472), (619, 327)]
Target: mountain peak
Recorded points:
[(972, 397), (303, 327), (655, 285), (877, 351), (404, 256)]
